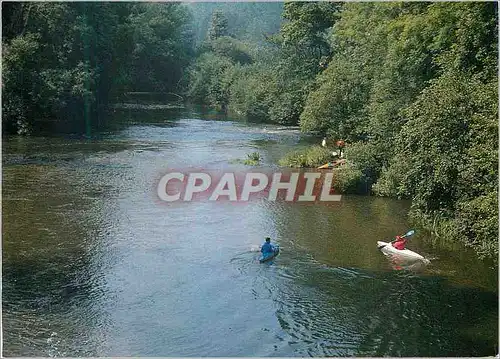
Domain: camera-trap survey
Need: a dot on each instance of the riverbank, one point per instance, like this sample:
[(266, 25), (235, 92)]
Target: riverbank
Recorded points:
[(357, 176)]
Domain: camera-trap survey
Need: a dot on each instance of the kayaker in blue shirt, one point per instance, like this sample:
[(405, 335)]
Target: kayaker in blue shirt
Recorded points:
[(267, 247)]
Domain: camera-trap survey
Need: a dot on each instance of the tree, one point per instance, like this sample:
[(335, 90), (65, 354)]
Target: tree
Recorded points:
[(305, 30), (218, 25), (64, 61), (447, 158), (163, 45)]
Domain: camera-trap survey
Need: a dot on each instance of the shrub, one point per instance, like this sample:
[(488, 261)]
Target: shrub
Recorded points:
[(348, 179), (231, 48), (253, 159), (205, 76), (477, 221), (286, 107), (310, 157), (390, 183), (250, 92), (367, 157)]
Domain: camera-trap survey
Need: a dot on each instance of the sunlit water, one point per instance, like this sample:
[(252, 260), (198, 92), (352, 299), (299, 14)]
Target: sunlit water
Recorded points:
[(95, 265)]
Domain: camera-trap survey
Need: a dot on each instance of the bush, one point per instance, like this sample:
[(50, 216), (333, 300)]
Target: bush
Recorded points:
[(286, 107), (231, 48), (253, 159), (250, 92), (336, 105), (441, 228), (205, 83), (348, 179), (295, 159), (19, 83), (390, 183), (310, 157), (477, 222), (367, 157)]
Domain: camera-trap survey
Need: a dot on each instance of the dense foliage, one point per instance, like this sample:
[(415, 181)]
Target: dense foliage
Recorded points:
[(64, 61), (432, 111), (265, 80)]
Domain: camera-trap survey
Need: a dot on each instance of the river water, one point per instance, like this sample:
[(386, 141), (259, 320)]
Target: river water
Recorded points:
[(95, 265)]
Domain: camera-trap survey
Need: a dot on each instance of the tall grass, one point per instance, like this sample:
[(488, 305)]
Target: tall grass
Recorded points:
[(310, 157), (253, 159)]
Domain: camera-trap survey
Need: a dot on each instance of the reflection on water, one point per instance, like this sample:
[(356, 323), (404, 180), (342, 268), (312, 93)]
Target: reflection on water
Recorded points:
[(93, 265), (399, 263)]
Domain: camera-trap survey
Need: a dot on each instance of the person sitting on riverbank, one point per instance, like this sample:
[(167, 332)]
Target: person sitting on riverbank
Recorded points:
[(399, 243), (267, 247)]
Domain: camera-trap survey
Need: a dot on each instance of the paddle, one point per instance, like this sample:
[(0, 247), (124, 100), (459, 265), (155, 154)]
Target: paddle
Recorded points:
[(409, 233)]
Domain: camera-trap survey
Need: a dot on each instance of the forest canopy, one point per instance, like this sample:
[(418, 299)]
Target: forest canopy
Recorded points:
[(67, 61)]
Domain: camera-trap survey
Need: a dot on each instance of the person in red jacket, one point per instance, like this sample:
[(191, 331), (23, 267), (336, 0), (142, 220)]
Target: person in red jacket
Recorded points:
[(399, 243), (340, 144)]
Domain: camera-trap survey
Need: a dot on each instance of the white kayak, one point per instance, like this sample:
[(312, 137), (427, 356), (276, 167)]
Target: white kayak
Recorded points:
[(388, 249)]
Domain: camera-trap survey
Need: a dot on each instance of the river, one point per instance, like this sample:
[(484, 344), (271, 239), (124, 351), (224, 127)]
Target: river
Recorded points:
[(94, 265)]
